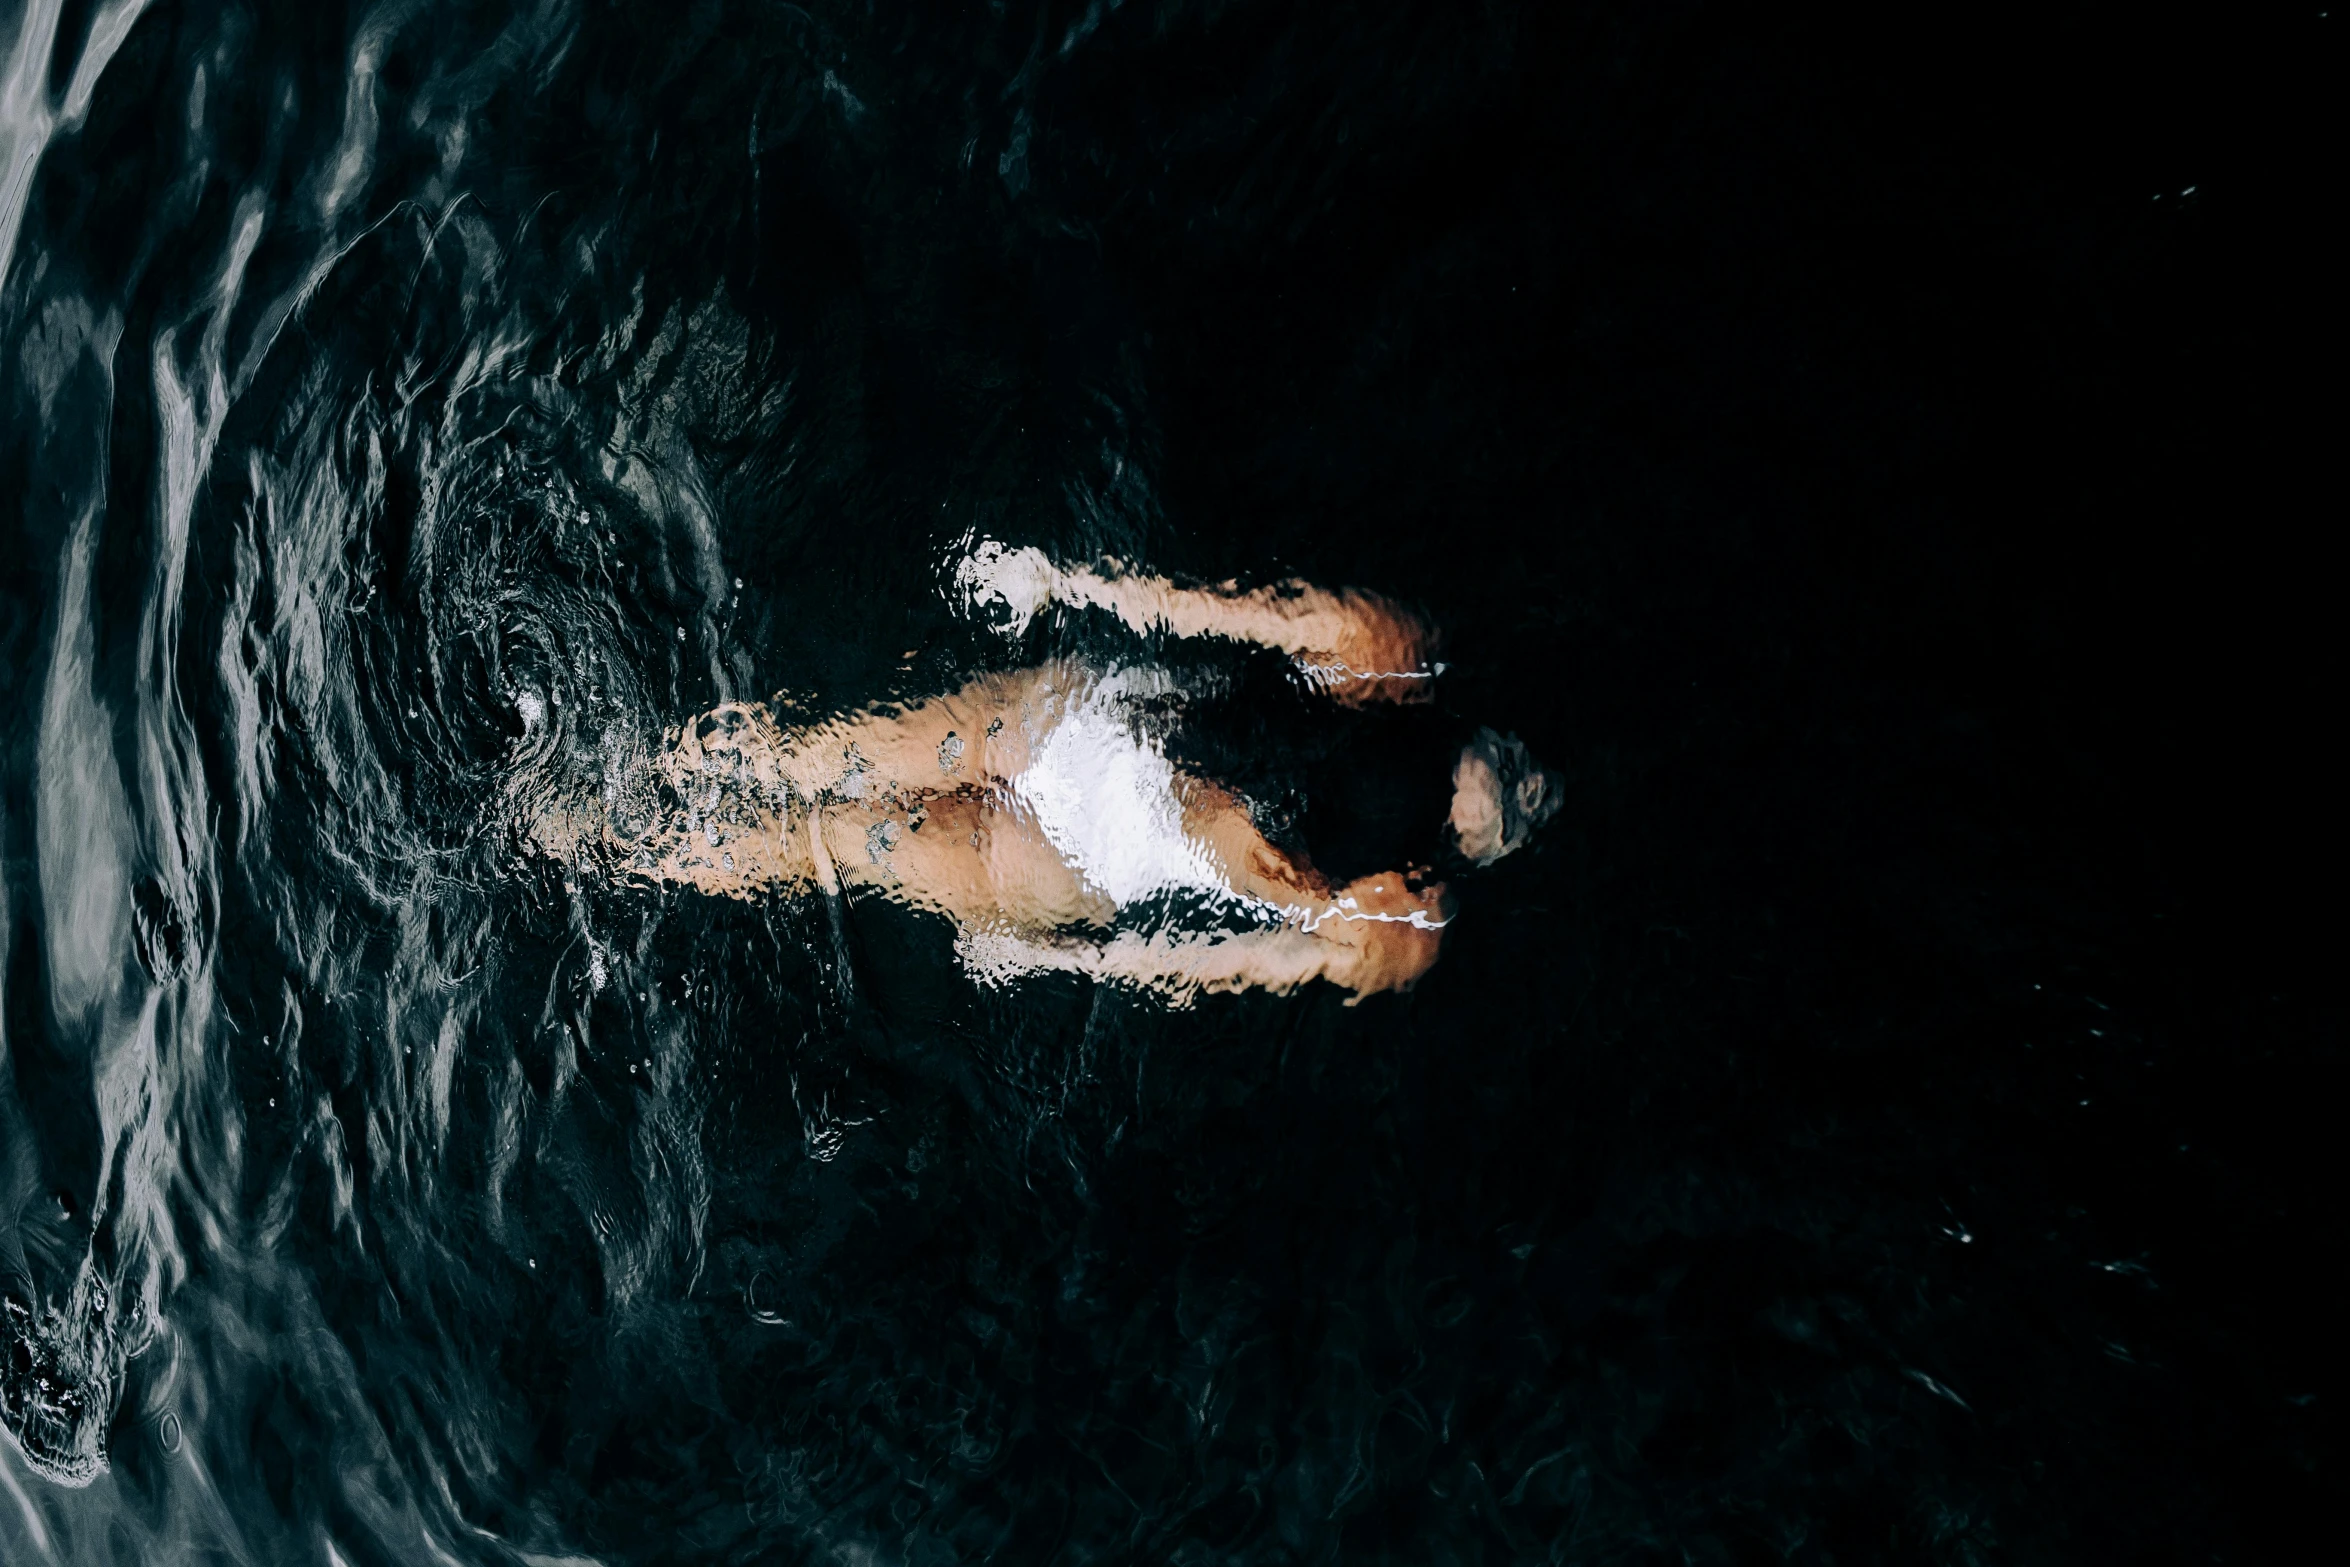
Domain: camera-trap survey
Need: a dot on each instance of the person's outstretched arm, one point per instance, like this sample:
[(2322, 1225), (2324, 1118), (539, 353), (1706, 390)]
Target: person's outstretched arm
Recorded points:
[(1356, 645)]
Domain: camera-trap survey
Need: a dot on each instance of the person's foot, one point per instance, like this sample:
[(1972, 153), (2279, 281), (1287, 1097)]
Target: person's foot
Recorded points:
[(1500, 795)]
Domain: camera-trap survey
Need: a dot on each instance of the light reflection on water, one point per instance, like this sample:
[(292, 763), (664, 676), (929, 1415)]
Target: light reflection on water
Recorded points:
[(383, 501)]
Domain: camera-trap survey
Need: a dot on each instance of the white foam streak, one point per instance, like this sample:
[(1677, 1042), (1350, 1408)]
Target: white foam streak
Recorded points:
[(83, 836), (29, 118), (35, 1531)]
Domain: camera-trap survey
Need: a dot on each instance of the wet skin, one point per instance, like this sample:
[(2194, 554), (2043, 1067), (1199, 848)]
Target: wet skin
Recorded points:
[(923, 805)]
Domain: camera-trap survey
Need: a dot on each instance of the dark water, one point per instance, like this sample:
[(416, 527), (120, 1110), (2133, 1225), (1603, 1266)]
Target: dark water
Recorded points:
[(1882, 1119)]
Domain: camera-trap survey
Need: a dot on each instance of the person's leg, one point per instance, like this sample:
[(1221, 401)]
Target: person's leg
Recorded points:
[(917, 804), (983, 736), (1356, 645), (970, 855)]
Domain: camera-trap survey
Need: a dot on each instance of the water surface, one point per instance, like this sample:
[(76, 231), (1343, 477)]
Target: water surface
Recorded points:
[(1863, 1127)]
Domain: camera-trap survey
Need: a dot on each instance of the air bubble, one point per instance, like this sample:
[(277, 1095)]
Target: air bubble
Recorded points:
[(762, 1315)]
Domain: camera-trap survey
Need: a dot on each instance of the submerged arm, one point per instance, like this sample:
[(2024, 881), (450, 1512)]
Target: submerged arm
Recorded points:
[(1357, 645)]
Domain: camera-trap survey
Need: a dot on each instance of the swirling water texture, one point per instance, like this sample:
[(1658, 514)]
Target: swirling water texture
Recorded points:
[(374, 488)]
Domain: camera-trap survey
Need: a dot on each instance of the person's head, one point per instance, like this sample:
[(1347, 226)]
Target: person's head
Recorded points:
[(1500, 796)]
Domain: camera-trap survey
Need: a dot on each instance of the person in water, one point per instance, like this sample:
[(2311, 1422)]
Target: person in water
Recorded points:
[(1037, 810)]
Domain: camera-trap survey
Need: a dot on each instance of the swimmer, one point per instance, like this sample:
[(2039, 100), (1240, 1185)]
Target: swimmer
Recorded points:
[(1033, 809)]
